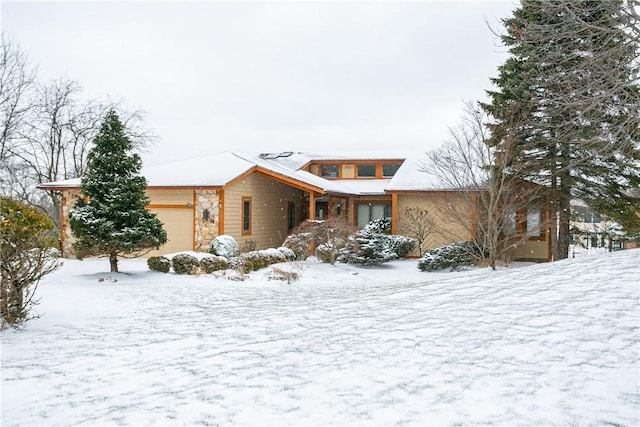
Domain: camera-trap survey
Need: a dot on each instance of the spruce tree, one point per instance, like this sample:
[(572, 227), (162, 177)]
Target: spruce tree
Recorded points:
[(111, 218), (567, 109)]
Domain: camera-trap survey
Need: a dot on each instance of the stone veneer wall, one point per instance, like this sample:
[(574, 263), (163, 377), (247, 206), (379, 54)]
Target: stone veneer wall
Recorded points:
[(69, 198), (207, 230)]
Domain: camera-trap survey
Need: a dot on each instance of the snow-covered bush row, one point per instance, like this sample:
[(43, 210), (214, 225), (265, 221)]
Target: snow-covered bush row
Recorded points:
[(255, 260), (188, 263), (451, 256)]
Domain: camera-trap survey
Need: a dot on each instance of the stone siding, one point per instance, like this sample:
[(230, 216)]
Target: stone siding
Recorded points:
[(207, 228)]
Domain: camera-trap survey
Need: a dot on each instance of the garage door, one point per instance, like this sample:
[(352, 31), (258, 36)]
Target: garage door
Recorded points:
[(178, 223)]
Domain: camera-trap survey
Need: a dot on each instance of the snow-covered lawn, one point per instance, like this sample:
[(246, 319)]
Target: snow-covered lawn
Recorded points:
[(539, 344)]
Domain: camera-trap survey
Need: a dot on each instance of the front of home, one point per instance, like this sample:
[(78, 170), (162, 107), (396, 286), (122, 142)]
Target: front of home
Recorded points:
[(260, 200)]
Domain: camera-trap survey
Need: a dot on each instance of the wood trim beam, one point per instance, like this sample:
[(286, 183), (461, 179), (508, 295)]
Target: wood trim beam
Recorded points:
[(220, 212), (394, 213), (312, 205), (171, 206)]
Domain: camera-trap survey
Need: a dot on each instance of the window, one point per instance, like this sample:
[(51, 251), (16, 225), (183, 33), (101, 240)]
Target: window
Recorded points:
[(369, 211), (510, 226), (329, 171), (534, 217), (390, 170), (584, 214), (246, 216), (366, 171)]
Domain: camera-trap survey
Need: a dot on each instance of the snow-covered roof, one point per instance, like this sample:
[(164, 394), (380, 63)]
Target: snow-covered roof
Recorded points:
[(219, 169), (296, 160), (413, 177)]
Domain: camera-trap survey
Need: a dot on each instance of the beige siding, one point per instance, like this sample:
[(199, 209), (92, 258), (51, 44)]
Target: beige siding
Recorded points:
[(174, 207), (348, 171), (269, 199), (178, 223), (448, 229), (533, 250), (314, 169), (170, 197)]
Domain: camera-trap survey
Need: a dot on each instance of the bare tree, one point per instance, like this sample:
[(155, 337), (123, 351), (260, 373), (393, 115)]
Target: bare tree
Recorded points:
[(479, 196), (16, 84), (417, 223)]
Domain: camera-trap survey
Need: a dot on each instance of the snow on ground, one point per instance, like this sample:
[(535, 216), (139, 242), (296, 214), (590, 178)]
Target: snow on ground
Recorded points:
[(550, 344)]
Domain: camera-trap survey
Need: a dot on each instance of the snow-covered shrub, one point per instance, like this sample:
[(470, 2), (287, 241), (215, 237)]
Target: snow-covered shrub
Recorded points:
[(277, 273), (401, 245), (379, 225), (225, 246), (159, 263), (372, 245), (287, 253), (327, 236), (255, 260), (451, 256), (213, 263), (330, 251), (367, 248), (301, 239), (185, 264)]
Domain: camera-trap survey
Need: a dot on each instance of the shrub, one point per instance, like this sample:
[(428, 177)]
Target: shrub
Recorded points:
[(287, 253), (213, 263), (255, 260), (379, 226), (330, 251), (225, 246), (372, 245), (277, 273), (159, 263), (327, 235), (301, 239), (451, 256), (401, 245), (185, 263), (27, 253)]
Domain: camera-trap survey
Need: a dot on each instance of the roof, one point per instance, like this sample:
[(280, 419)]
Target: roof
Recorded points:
[(413, 176), (296, 160), (219, 169)]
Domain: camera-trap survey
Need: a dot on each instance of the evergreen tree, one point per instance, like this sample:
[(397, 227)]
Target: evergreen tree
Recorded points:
[(112, 218), (567, 109)]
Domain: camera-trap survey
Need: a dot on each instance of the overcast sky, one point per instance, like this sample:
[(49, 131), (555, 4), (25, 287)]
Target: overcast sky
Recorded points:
[(271, 76)]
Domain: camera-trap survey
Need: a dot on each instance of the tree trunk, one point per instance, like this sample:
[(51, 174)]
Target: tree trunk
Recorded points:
[(113, 259), (564, 213)]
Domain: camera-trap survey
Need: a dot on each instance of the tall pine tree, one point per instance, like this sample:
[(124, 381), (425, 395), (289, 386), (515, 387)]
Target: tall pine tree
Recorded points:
[(567, 108), (112, 219)]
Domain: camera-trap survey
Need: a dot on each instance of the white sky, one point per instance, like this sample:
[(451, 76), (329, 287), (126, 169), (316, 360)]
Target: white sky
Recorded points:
[(271, 76)]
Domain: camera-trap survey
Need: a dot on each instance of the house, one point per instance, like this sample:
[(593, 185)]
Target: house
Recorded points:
[(259, 200), (590, 230)]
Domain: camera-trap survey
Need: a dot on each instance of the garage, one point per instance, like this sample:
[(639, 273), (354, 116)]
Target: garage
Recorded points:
[(178, 223)]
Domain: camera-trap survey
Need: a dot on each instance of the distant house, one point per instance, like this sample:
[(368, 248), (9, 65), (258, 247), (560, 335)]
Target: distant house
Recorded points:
[(591, 230), (259, 200)]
